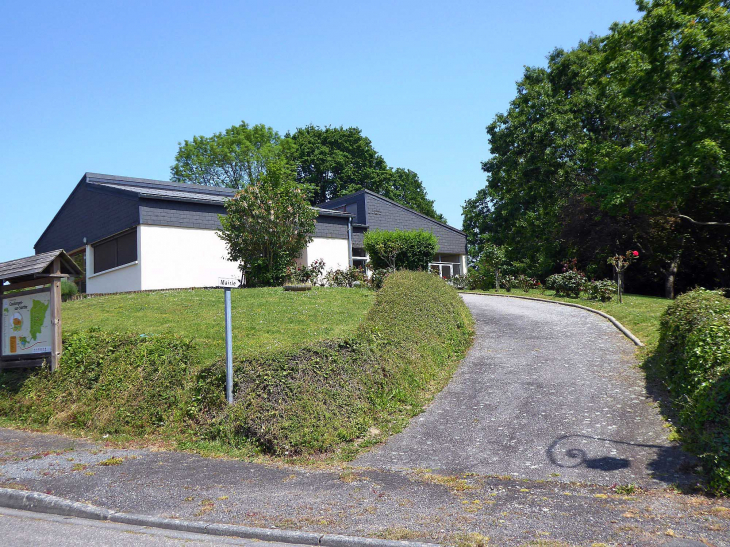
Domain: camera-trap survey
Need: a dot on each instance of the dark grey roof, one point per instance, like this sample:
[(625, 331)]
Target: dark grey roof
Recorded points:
[(160, 189), (30, 267), (338, 200)]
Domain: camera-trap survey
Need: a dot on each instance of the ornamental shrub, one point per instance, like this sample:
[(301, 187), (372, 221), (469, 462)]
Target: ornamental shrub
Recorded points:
[(694, 363), (527, 283), (400, 249), (567, 283), (299, 273), (68, 289), (602, 290), (344, 278)]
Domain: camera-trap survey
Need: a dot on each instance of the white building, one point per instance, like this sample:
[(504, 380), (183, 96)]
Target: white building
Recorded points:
[(138, 234)]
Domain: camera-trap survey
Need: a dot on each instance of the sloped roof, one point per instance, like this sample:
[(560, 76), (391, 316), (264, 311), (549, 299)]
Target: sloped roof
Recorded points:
[(37, 265), (160, 189)]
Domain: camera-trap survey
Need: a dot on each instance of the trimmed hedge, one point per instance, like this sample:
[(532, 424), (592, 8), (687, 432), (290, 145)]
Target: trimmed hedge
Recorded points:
[(694, 362), (407, 347), (410, 249)]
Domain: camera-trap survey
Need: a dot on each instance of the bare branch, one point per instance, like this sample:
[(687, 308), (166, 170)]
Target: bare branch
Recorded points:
[(697, 222)]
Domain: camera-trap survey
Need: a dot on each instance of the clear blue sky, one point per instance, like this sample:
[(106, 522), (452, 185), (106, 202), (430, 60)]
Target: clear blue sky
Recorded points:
[(112, 87)]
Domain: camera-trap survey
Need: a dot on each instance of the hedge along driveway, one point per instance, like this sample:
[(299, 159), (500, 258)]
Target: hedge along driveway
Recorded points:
[(546, 392)]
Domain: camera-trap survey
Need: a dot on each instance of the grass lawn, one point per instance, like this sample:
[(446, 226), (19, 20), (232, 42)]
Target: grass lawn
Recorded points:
[(264, 320), (639, 314)]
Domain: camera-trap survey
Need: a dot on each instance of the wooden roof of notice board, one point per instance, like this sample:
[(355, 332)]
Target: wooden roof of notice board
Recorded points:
[(37, 266)]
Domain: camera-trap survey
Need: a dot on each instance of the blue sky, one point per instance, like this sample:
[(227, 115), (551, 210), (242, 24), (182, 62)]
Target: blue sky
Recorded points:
[(112, 87)]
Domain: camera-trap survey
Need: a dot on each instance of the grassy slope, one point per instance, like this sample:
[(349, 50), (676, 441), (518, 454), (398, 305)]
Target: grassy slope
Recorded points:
[(264, 320), (639, 314)]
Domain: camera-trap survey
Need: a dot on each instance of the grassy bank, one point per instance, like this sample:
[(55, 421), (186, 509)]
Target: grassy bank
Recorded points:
[(639, 314), (264, 320), (321, 375)]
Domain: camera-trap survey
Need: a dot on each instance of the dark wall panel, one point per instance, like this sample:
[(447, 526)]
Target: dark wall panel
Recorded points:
[(384, 215), (89, 214), (179, 213)]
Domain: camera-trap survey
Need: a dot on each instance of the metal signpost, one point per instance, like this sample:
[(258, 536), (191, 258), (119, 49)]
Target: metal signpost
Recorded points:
[(227, 283)]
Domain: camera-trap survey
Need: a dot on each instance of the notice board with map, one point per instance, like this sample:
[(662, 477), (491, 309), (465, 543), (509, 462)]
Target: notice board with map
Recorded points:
[(26, 325)]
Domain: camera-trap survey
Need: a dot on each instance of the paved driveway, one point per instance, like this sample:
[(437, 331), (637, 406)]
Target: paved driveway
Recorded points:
[(546, 392)]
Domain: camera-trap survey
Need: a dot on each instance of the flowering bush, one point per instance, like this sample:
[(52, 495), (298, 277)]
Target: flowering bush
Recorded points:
[(508, 281), (306, 274), (569, 283), (620, 263), (459, 282), (602, 290), (266, 227), (345, 278), (526, 283)]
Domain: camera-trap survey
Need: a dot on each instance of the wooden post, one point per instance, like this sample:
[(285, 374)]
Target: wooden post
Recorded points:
[(56, 344)]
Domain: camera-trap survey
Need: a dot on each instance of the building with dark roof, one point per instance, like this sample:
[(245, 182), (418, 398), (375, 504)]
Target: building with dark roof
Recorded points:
[(140, 234)]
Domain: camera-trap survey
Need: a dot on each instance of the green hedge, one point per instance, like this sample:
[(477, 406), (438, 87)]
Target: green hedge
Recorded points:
[(409, 249), (694, 362), (313, 400)]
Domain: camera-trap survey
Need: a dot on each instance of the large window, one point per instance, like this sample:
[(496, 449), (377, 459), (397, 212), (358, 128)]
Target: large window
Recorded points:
[(116, 251)]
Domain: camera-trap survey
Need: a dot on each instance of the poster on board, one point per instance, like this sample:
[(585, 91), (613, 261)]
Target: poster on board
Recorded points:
[(26, 325)]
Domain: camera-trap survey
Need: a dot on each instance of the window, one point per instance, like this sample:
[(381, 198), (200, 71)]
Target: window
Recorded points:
[(114, 252)]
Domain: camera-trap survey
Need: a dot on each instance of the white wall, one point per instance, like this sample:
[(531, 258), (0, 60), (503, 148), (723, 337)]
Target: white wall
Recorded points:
[(172, 257), (333, 251), (121, 279)]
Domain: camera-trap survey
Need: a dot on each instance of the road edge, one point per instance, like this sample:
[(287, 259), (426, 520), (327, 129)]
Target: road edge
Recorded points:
[(47, 503), (626, 332)]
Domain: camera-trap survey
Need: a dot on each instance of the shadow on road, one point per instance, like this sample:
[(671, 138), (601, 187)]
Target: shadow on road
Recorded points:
[(669, 464)]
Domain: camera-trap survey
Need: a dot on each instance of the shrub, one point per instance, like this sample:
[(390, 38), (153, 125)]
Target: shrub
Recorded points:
[(345, 278), (567, 283), (107, 383), (410, 250), (314, 399), (694, 362), (527, 283), (378, 277), (68, 289), (507, 282), (459, 282), (602, 290), (299, 273)]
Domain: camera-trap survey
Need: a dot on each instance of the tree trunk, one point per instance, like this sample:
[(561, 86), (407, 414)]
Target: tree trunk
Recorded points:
[(496, 278), (670, 275)]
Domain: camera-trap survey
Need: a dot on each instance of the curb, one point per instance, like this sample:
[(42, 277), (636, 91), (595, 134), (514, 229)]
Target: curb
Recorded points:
[(46, 503), (613, 320)]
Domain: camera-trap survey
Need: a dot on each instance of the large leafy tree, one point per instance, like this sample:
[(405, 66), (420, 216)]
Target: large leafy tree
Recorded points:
[(336, 161), (234, 158), (621, 142)]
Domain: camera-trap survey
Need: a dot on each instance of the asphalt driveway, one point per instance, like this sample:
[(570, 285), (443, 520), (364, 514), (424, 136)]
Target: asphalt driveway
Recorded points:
[(546, 392)]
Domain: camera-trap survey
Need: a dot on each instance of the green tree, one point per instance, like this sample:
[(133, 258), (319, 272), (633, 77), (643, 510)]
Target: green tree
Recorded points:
[(336, 161), (619, 143), (492, 259), (238, 156), (267, 225)]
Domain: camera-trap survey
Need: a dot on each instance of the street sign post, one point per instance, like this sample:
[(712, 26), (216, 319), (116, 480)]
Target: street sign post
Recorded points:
[(227, 283)]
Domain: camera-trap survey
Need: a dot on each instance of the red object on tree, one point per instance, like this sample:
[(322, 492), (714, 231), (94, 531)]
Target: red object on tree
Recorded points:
[(636, 253)]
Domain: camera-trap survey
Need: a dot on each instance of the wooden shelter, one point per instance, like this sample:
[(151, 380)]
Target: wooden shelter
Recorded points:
[(39, 275)]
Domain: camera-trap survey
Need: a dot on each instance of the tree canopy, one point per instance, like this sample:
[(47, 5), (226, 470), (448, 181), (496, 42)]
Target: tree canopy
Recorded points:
[(619, 143)]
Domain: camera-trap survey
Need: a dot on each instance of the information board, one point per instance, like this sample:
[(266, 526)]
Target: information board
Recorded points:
[(26, 325)]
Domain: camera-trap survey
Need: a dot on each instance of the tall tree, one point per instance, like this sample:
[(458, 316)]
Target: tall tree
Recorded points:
[(336, 161), (621, 142), (234, 158)]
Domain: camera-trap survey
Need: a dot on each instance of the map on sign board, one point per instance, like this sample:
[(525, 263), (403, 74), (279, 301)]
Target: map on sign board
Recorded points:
[(26, 325)]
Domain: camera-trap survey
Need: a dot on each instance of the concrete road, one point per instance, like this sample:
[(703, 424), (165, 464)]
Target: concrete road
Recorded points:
[(23, 528), (547, 391)]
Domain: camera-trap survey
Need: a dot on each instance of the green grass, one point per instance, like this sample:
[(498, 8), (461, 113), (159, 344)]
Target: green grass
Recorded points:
[(639, 314), (264, 320)]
